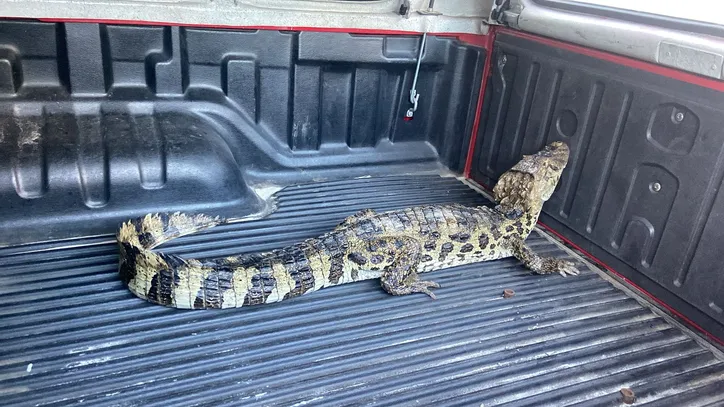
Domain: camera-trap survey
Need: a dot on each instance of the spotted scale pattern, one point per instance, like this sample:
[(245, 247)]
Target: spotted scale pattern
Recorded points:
[(394, 246)]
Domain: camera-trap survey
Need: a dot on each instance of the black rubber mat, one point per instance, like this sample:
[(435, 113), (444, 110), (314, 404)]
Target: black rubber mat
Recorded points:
[(73, 334)]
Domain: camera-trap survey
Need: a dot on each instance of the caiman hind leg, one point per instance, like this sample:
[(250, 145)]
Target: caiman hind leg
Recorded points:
[(537, 263), (400, 277)]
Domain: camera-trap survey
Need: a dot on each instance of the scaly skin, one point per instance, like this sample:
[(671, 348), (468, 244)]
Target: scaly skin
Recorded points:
[(393, 246)]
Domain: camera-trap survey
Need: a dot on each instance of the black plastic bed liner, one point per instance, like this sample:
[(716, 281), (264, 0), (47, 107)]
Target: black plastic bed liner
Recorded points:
[(72, 333)]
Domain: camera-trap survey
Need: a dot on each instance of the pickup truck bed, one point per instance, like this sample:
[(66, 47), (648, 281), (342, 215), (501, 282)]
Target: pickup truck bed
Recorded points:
[(72, 333)]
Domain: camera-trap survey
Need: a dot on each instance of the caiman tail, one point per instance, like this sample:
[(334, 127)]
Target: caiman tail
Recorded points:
[(229, 282)]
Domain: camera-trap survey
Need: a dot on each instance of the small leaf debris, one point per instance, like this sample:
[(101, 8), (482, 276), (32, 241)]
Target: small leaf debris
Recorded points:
[(628, 396)]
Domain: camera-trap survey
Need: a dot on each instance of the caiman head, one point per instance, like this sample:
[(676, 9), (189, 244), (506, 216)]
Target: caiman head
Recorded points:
[(525, 187)]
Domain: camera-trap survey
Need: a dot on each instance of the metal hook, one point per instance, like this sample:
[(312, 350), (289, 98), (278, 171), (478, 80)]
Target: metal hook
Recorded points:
[(414, 96)]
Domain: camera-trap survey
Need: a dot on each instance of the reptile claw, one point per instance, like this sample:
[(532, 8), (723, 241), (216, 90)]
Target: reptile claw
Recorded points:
[(562, 267), (567, 268), (428, 292), (430, 284), (424, 287)]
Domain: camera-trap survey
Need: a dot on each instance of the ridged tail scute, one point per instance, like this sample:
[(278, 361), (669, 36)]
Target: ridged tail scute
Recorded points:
[(229, 282), (156, 229), (158, 277)]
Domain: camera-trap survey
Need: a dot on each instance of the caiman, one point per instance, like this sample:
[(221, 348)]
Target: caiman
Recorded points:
[(395, 247)]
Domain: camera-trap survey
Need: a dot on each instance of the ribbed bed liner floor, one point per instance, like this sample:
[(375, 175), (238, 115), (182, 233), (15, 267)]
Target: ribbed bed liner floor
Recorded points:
[(73, 334)]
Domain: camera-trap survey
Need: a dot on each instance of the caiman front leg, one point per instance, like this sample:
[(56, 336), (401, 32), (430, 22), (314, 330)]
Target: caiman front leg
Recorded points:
[(539, 264), (400, 277)]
